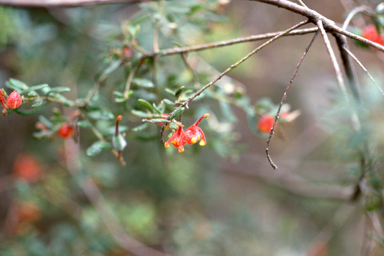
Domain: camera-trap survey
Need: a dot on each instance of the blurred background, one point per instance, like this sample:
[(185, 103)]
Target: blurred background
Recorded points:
[(221, 199)]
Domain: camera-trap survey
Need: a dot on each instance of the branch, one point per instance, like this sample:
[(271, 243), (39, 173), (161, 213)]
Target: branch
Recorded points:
[(314, 17), (232, 41), (365, 70), (348, 67), (274, 166), (64, 3), (332, 55), (185, 103)]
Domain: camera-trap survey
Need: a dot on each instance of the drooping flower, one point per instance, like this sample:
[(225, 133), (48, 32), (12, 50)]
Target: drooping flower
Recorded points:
[(265, 123), (194, 133), (14, 100), (177, 139), (66, 131), (2, 98)]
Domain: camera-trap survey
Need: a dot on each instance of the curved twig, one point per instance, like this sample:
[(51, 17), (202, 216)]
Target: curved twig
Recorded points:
[(274, 166)]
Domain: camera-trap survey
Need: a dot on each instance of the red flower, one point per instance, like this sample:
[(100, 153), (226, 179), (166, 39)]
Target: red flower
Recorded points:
[(27, 168), (66, 131), (177, 139), (14, 100), (2, 98), (194, 133), (265, 123), (370, 33)]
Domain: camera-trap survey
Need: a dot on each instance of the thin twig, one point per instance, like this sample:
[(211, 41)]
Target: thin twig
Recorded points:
[(302, 3), (332, 55), (274, 166), (354, 118), (365, 70), (233, 41), (341, 41), (357, 10), (64, 3), (233, 66)]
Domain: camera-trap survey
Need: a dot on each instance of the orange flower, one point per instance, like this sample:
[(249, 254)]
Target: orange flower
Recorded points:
[(370, 33), (194, 133), (66, 131), (14, 100), (177, 139), (2, 98), (265, 123), (27, 168)]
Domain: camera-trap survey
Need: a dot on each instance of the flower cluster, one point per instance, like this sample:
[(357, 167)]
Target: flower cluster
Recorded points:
[(13, 101), (192, 135)]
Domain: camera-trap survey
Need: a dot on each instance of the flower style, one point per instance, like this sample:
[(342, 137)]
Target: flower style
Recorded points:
[(14, 100), (177, 139), (194, 133)]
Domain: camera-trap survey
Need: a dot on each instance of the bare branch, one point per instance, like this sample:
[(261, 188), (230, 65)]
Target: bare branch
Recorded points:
[(348, 67), (365, 70), (64, 3), (332, 55), (274, 166), (233, 41), (314, 17)]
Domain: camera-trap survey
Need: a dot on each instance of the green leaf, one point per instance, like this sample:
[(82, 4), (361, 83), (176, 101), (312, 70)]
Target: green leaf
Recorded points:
[(179, 91), (105, 145), (139, 113), (119, 142), (118, 94), (120, 100), (84, 124), (112, 67), (37, 103), (177, 113), (35, 88), (94, 149), (59, 89), (146, 104), (28, 112), (16, 85), (45, 121), (101, 115), (160, 120), (167, 101), (32, 94), (143, 82), (140, 127), (157, 109)]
